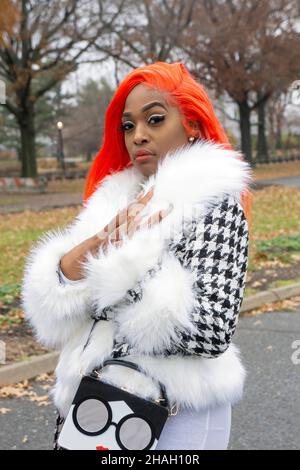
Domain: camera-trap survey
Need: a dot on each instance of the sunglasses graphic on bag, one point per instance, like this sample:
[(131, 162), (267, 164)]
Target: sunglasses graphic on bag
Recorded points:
[(103, 416)]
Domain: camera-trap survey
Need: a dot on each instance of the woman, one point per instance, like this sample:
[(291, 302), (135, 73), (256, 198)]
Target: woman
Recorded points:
[(156, 277)]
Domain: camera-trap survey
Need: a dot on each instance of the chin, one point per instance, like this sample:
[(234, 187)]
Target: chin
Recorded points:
[(146, 170)]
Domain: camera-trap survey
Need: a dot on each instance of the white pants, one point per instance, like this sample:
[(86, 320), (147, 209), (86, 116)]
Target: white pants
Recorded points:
[(207, 429)]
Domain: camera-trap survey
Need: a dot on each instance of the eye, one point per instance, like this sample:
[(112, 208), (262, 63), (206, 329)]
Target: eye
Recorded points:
[(157, 117)]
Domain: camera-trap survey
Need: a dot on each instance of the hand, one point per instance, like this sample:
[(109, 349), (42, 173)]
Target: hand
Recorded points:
[(127, 221)]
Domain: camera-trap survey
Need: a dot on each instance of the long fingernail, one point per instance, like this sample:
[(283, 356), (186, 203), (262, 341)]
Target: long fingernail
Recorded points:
[(166, 211)]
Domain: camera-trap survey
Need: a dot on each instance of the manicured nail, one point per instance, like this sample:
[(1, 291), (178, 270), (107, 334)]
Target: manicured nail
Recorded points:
[(138, 218)]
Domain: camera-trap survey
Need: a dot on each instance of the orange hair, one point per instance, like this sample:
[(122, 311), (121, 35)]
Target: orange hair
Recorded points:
[(181, 90)]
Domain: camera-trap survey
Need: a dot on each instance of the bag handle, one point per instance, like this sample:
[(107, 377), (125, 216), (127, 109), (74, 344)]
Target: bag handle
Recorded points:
[(172, 409), (136, 367)]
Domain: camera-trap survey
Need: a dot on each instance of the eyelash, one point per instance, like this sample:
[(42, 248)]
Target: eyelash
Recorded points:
[(160, 116)]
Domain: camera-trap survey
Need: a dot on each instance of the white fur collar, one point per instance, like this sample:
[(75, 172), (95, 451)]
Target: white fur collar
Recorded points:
[(193, 175), (198, 172)]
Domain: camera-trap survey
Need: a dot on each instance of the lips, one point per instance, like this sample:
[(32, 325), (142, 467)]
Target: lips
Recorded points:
[(143, 154), (144, 158)]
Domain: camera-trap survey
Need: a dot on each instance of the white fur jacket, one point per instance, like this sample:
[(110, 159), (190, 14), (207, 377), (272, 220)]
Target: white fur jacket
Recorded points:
[(168, 298)]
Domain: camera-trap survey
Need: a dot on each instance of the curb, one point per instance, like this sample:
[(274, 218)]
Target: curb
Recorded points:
[(28, 369), (46, 363), (270, 296)]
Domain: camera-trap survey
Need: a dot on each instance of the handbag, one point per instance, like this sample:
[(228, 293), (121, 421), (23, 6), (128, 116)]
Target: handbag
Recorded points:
[(106, 417)]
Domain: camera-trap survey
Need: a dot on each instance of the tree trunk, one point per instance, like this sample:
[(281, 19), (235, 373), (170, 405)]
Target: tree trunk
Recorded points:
[(272, 129), (279, 144), (89, 156), (262, 145), (245, 128), (29, 167)]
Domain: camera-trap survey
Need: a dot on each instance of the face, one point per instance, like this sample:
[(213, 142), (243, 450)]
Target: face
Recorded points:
[(153, 127)]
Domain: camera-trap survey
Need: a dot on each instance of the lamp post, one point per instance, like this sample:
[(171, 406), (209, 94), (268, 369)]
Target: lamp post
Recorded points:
[(60, 150)]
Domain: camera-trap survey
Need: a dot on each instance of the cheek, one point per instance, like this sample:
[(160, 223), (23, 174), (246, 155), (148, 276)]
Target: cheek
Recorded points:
[(127, 143), (175, 133)]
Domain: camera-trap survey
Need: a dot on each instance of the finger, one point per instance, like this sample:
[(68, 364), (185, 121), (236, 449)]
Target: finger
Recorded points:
[(145, 196), (142, 201), (129, 212), (118, 244), (156, 218), (102, 235), (114, 236), (134, 225)]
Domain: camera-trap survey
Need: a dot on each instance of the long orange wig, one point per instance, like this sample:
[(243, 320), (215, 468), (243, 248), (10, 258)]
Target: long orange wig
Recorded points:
[(180, 89)]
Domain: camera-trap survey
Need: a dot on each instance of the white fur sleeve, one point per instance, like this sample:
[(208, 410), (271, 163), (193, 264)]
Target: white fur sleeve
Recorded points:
[(54, 309)]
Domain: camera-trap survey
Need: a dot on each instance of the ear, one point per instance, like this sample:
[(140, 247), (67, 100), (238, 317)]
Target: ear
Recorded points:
[(194, 125)]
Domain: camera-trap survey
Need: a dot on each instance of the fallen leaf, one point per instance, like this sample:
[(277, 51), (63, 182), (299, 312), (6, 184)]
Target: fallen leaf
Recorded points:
[(3, 411)]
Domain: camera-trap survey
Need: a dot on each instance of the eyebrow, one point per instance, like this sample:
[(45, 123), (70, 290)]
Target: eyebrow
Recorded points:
[(147, 106)]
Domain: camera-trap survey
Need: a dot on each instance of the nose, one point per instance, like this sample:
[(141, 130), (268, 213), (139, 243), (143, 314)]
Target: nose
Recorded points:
[(140, 135)]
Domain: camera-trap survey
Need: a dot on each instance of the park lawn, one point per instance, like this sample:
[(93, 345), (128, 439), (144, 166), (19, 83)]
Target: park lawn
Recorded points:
[(274, 237), (276, 220), (19, 232), (274, 250)]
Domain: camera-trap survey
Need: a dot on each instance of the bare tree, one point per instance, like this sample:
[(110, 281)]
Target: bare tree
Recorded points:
[(248, 49), (49, 41), (145, 32), (85, 120)]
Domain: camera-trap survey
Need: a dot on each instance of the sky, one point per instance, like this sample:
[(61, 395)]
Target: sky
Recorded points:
[(86, 71)]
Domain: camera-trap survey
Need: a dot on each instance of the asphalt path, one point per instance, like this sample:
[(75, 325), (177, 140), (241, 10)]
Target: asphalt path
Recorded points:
[(268, 417)]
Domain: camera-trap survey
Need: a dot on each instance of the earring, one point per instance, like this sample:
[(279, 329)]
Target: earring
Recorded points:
[(191, 139)]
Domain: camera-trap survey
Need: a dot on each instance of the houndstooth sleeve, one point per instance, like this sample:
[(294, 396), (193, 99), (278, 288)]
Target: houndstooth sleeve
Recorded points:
[(216, 249)]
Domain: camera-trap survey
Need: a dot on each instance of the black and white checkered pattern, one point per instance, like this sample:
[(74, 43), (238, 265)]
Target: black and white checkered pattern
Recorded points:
[(216, 250)]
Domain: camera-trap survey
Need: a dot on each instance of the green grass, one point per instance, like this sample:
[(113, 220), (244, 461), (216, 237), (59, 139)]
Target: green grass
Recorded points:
[(13, 243), (8, 320), (250, 291), (8, 293), (284, 282), (279, 248), (19, 232), (8, 200)]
